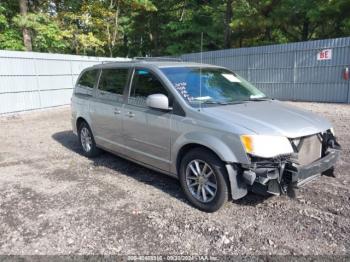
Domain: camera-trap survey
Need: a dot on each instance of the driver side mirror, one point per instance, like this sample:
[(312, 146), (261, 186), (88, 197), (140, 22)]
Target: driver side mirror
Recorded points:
[(158, 101)]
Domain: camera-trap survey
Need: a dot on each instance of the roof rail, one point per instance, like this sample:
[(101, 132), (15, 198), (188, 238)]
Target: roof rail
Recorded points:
[(112, 62), (155, 58)]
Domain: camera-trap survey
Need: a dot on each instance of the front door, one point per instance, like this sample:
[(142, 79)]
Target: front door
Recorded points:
[(146, 130), (107, 108)]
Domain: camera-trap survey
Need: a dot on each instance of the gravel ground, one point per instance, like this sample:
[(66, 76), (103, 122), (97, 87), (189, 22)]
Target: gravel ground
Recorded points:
[(55, 201)]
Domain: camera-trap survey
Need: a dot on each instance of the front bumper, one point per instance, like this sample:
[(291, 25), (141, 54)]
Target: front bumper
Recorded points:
[(288, 176), (282, 174), (304, 174)]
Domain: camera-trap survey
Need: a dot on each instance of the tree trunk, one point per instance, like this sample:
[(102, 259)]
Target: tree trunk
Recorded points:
[(112, 31), (57, 6), (27, 40), (228, 18), (305, 32), (154, 33)]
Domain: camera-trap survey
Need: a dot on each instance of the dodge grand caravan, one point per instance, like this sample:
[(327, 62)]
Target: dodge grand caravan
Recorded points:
[(203, 124)]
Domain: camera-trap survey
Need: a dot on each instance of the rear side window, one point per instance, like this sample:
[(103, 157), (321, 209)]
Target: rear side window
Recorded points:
[(113, 80), (88, 79), (144, 84)]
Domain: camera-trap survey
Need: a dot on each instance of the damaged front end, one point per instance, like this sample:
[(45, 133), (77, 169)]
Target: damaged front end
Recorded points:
[(313, 156)]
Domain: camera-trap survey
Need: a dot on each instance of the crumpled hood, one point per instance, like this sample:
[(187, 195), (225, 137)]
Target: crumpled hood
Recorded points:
[(270, 118)]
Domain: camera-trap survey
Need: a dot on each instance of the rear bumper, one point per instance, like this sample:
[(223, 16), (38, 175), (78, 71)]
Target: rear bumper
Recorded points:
[(304, 174)]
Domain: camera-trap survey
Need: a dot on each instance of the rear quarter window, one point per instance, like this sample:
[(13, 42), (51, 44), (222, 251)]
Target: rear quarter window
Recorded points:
[(86, 82), (88, 79)]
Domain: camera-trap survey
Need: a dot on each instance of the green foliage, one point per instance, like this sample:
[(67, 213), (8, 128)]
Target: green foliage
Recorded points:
[(167, 27), (10, 38), (3, 20), (46, 34)]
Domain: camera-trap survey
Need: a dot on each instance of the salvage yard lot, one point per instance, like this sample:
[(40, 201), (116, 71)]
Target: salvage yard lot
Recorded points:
[(55, 201)]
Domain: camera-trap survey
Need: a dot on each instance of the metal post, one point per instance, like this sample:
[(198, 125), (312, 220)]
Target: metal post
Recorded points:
[(71, 72), (348, 100), (294, 96), (37, 81)]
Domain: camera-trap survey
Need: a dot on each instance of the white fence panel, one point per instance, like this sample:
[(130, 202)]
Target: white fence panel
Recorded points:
[(30, 80)]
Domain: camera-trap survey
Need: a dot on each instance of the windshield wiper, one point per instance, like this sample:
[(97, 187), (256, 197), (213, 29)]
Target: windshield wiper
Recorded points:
[(213, 102), (225, 103), (209, 102), (259, 99), (233, 102)]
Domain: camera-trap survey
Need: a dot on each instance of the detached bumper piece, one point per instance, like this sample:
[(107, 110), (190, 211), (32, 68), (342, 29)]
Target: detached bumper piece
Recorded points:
[(282, 175)]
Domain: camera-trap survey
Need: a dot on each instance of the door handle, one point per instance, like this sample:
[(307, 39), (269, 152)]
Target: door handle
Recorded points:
[(130, 114), (117, 111)]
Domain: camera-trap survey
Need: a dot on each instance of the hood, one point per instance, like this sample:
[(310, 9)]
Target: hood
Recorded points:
[(270, 118)]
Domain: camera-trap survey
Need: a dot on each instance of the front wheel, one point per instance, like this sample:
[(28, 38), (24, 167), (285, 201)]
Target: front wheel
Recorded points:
[(203, 178), (87, 141)]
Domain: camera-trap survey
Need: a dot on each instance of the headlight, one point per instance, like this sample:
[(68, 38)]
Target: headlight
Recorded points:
[(266, 146)]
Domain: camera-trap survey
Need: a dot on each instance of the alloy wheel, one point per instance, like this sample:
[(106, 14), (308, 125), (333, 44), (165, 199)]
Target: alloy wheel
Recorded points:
[(86, 139), (201, 180)]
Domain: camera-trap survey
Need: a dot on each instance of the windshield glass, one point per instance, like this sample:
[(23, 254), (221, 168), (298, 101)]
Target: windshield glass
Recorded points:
[(218, 85)]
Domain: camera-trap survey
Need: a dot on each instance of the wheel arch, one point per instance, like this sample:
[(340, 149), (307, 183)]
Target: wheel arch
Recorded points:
[(186, 148), (80, 120), (84, 117), (237, 187), (197, 139)]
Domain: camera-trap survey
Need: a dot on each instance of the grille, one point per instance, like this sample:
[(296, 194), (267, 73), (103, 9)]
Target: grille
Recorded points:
[(309, 149)]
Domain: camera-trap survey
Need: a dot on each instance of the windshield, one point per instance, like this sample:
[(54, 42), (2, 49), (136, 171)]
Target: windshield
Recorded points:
[(211, 85)]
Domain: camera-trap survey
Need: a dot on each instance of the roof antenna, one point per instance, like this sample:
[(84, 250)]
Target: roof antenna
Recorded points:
[(200, 74)]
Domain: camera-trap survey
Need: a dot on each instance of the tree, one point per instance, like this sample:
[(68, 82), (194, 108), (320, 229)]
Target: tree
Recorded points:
[(27, 40), (46, 35), (228, 19), (165, 27)]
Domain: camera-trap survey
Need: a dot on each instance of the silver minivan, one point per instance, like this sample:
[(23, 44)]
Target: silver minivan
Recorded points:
[(203, 124)]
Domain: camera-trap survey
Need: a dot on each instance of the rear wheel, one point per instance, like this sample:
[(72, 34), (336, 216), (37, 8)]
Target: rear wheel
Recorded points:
[(203, 178), (87, 141)]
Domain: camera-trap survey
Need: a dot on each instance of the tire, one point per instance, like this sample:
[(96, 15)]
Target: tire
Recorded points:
[(204, 201), (85, 134)]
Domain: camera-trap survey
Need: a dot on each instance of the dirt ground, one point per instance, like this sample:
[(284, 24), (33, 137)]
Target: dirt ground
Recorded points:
[(55, 201)]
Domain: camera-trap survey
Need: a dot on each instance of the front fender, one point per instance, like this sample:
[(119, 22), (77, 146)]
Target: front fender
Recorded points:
[(227, 147)]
